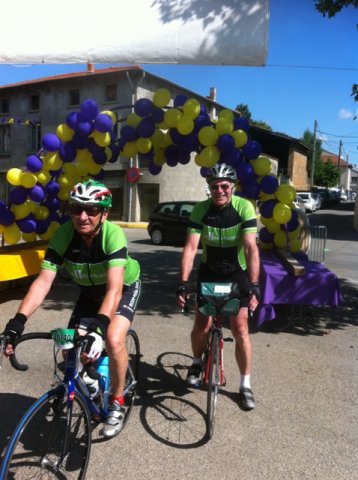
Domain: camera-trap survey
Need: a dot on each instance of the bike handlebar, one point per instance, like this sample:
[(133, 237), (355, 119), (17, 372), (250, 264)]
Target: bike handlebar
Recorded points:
[(27, 336)]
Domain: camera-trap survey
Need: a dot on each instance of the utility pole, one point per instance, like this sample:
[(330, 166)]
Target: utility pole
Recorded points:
[(339, 162), (313, 153)]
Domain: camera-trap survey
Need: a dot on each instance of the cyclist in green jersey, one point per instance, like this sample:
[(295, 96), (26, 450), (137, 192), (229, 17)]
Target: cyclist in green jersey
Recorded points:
[(226, 226), (94, 252)]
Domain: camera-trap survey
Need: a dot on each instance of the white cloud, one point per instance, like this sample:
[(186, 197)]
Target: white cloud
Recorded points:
[(345, 114)]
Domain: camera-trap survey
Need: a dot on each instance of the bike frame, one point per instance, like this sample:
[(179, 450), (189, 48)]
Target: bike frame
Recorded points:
[(217, 327)]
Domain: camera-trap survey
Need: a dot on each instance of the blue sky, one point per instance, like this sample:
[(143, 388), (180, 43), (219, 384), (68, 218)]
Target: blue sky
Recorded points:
[(311, 66)]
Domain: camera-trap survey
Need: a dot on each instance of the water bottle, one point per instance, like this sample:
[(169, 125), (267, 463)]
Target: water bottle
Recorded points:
[(102, 368), (92, 384)]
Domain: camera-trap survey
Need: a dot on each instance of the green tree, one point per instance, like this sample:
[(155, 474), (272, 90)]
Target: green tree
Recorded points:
[(244, 111), (331, 8), (328, 175)]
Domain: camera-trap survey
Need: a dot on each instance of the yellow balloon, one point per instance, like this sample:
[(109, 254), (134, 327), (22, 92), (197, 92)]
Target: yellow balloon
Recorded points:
[(185, 125), (64, 181), (109, 153), (43, 177), (63, 194), (20, 211), (2, 228), (133, 120), (28, 180), (46, 236), (272, 226), (12, 234), (282, 213), (295, 245), (285, 193), (83, 154), (167, 140), (265, 246), (52, 161), (32, 206), (102, 139), (198, 160), (172, 116), (159, 157), (191, 108), (157, 138), (280, 239), (42, 213), (240, 138), (13, 176), (143, 145), (93, 169), (70, 170), (210, 156), (111, 114), (29, 237), (161, 97), (227, 114), (54, 226), (224, 126), (64, 132), (208, 136), (261, 165), (130, 149)]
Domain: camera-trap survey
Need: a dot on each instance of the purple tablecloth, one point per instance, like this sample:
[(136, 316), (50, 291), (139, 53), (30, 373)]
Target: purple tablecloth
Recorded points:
[(319, 286)]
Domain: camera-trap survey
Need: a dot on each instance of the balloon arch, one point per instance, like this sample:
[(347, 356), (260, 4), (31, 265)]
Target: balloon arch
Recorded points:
[(164, 135)]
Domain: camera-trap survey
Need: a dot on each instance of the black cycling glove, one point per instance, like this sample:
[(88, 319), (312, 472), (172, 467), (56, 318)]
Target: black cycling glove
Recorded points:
[(99, 325), (182, 289), (255, 290), (15, 327)]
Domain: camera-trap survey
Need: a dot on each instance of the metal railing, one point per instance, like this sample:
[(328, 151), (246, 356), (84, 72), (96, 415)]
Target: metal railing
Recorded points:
[(314, 240)]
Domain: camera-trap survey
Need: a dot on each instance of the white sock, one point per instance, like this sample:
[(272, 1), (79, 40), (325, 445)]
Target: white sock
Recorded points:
[(245, 381)]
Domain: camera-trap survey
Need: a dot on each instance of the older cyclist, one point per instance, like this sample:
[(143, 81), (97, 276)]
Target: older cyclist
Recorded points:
[(94, 252), (226, 226)]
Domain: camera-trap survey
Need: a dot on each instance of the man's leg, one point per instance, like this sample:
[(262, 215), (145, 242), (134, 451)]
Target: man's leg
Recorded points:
[(199, 340)]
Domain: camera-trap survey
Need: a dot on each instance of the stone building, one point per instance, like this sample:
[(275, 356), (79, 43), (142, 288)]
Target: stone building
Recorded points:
[(29, 110)]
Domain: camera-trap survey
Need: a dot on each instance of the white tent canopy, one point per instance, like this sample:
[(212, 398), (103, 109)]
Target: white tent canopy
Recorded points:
[(200, 32)]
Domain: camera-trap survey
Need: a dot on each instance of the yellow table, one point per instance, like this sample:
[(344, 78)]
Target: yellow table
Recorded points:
[(20, 261)]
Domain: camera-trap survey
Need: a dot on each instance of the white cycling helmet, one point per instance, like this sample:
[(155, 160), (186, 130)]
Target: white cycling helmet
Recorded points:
[(91, 192), (221, 171)]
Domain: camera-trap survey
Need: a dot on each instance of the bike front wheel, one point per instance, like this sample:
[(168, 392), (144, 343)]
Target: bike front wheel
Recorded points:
[(213, 382), (131, 382), (52, 440)]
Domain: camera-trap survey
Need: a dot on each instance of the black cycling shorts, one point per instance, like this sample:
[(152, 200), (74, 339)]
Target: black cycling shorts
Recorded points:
[(86, 310)]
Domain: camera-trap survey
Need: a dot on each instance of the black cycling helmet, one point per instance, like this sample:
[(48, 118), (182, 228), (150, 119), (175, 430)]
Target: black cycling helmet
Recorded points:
[(221, 171)]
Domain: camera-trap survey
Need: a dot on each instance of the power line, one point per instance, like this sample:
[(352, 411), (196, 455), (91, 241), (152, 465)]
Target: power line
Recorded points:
[(315, 67)]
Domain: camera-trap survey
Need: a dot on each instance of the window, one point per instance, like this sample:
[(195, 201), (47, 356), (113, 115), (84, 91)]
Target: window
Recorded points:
[(111, 93), (5, 105), (4, 138), (36, 137), (74, 96), (35, 102)]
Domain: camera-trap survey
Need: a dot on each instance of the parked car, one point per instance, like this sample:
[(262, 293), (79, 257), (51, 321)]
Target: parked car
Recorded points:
[(317, 198), (309, 201), (299, 203), (325, 196), (169, 221)]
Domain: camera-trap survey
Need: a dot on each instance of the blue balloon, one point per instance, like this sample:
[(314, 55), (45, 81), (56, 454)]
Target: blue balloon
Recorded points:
[(157, 115), (51, 142), (179, 100), (154, 169), (128, 134), (68, 152), (72, 120), (241, 123), (37, 194), (18, 195), (27, 224), (89, 110), (251, 149), (266, 208), (143, 107), (146, 128), (103, 123), (34, 163), (265, 236), (225, 143), (245, 172), (269, 184)]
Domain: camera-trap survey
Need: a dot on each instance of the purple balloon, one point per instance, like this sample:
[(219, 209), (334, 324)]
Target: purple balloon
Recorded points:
[(225, 143), (89, 110), (51, 142), (34, 163), (41, 226), (154, 169), (146, 128), (18, 195), (52, 188), (103, 123), (128, 133), (251, 189), (251, 149), (79, 142), (27, 224), (183, 157), (84, 129), (233, 158), (191, 142), (37, 194), (100, 157), (157, 115), (6, 217), (269, 184), (143, 107), (266, 208), (72, 119), (265, 236), (100, 175), (115, 153), (293, 223), (245, 172), (171, 153), (179, 100), (241, 123), (204, 171), (176, 137), (64, 219), (52, 204), (68, 152), (201, 121)]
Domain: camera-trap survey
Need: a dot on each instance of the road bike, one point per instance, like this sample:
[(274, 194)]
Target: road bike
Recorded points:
[(221, 301), (53, 438)]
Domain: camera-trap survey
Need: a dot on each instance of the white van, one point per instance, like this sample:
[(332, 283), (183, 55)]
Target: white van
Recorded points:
[(308, 200)]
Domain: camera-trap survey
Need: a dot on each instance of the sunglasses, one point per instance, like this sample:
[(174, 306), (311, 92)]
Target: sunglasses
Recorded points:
[(89, 211), (224, 187)]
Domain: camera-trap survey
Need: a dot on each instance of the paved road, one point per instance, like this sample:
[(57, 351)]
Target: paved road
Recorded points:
[(305, 425)]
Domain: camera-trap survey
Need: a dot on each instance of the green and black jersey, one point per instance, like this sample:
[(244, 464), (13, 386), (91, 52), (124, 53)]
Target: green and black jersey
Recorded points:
[(221, 231), (88, 267)]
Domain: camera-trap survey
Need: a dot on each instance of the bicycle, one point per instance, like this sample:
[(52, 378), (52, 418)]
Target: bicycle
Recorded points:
[(221, 301), (53, 438)]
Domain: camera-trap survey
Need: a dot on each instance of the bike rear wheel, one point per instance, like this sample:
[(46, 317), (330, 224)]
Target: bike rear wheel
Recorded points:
[(213, 382), (133, 349), (52, 440)]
